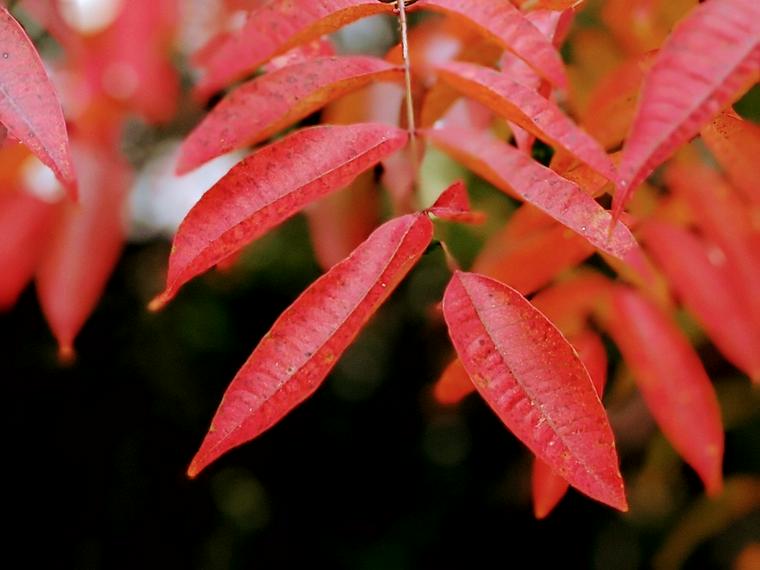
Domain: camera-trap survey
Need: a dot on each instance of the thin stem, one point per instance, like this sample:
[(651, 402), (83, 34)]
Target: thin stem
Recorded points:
[(401, 7)]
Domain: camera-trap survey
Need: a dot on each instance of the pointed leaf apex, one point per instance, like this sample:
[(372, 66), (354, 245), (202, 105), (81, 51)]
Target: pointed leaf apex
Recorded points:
[(159, 301)]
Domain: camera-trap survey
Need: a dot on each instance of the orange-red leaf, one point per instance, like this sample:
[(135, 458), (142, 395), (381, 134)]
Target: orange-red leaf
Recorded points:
[(529, 110), (305, 342), (736, 144), (29, 108), (706, 289), (503, 23), (513, 171), (673, 382), (263, 106), (275, 28), (703, 64), (269, 187), (548, 487), (85, 246), (535, 382), (454, 205), (453, 384)]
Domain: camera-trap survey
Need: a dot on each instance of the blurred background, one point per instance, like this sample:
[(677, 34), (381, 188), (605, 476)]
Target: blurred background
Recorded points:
[(369, 473)]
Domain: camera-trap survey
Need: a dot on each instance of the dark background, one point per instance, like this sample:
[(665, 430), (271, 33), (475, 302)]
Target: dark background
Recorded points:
[(369, 473)]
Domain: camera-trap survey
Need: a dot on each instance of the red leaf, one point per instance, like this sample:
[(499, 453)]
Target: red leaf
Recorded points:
[(454, 205), (707, 290), (274, 29), (535, 382), (453, 385), (688, 84), (736, 144), (260, 108), (269, 187), (506, 25), (29, 107), (528, 109), (24, 232), (673, 382), (548, 487), (306, 341), (511, 170), (84, 247)]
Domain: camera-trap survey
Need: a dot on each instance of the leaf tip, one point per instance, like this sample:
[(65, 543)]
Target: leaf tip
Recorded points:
[(159, 301), (66, 354)]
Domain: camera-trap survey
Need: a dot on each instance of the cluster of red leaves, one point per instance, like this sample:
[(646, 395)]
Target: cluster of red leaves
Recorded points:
[(479, 68)]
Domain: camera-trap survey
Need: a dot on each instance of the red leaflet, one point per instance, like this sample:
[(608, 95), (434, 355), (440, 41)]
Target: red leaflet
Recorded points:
[(24, 232), (269, 187), (511, 170), (259, 108), (736, 144), (29, 108), (706, 289), (454, 205), (503, 23), (535, 382), (453, 385), (673, 382), (688, 84), (548, 487), (306, 341), (273, 29), (528, 109), (85, 246)]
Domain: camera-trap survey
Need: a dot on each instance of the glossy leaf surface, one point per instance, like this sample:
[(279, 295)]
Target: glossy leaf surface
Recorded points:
[(534, 381), (254, 196), (305, 342)]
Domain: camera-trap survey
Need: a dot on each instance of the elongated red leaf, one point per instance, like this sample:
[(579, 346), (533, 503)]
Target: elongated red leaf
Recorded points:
[(259, 108), (736, 144), (528, 109), (535, 382), (673, 382), (269, 187), (707, 291), (454, 205), (511, 170), (303, 345), (688, 84), (29, 108), (273, 29), (84, 246), (453, 385), (506, 25), (548, 487)]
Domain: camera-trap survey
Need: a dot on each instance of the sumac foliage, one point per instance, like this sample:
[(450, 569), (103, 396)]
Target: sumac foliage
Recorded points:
[(596, 251)]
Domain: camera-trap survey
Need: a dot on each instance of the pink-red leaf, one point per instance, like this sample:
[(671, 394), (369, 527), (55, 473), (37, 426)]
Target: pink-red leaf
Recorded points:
[(263, 106), (304, 344), (454, 205), (548, 487), (503, 23), (29, 108), (707, 59), (269, 187), (528, 109), (535, 382), (513, 171), (673, 382), (706, 289), (275, 28)]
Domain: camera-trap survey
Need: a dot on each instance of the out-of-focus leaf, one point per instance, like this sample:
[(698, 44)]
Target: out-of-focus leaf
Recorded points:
[(528, 109), (688, 85), (506, 25), (453, 385), (275, 28), (673, 382), (29, 108), (269, 187), (535, 382), (511, 170), (263, 106), (707, 290), (305, 342)]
